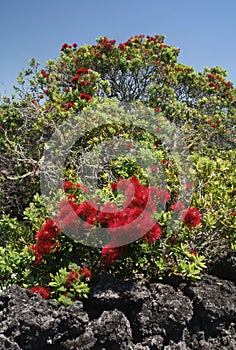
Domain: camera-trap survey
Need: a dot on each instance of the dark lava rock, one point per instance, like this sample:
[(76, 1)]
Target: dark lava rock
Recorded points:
[(34, 323), (214, 303), (123, 315), (225, 267), (165, 313)]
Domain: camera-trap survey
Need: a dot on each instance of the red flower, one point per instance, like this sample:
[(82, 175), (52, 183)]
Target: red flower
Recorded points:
[(82, 71), (67, 185), (75, 78), (87, 273), (85, 83), (233, 213), (129, 145), (110, 255), (178, 206), (44, 73), (38, 256), (213, 125), (44, 292), (193, 252), (85, 96), (83, 188), (164, 161), (71, 277), (107, 213), (154, 169), (163, 195), (154, 234), (191, 217), (41, 96), (44, 246), (70, 222), (51, 226), (122, 47), (157, 109), (189, 185), (75, 45)]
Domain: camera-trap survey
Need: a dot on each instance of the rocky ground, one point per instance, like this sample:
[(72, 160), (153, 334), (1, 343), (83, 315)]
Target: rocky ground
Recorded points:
[(174, 314)]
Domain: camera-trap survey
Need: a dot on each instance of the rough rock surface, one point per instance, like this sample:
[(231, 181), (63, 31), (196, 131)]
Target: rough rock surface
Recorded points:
[(124, 315)]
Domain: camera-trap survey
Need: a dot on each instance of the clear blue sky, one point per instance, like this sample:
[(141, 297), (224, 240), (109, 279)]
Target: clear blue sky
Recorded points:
[(205, 30)]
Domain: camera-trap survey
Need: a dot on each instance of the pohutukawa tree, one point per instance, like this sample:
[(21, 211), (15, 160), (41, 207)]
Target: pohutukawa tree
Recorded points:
[(131, 81)]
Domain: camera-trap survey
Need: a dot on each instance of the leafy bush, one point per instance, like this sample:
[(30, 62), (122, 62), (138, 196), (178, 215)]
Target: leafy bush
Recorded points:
[(125, 163)]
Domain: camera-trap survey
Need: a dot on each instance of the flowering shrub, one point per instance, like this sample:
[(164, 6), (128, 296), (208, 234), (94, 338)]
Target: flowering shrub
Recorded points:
[(132, 224)]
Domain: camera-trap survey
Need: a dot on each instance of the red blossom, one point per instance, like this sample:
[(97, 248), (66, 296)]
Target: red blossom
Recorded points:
[(85, 96), (70, 222), (189, 185), (87, 273), (164, 162), (83, 188), (85, 83), (65, 46), (154, 169), (68, 185), (107, 213), (122, 47), (75, 78), (52, 226), (191, 217), (193, 252), (44, 246), (129, 145), (178, 206), (44, 73), (82, 71), (110, 255), (162, 195), (44, 292), (87, 209), (154, 234), (71, 277), (37, 255)]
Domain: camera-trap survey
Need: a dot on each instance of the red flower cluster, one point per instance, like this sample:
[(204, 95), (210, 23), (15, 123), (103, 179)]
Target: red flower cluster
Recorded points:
[(111, 255), (178, 206), (191, 217), (122, 47), (71, 277), (44, 292), (69, 105), (85, 96), (82, 71), (108, 44), (87, 273), (44, 73), (45, 240), (127, 224), (74, 276), (65, 46), (189, 185)]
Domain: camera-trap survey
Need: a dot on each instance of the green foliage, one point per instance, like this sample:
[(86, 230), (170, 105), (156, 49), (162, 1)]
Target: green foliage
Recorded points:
[(66, 295)]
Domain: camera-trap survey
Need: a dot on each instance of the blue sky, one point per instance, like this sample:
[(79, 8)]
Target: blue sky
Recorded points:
[(204, 30)]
